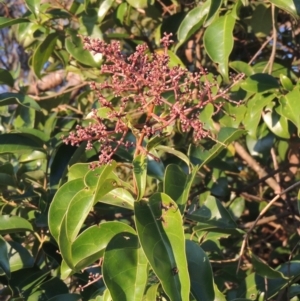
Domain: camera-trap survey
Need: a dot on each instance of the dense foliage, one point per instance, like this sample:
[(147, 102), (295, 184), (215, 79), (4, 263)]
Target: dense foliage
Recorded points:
[(149, 150)]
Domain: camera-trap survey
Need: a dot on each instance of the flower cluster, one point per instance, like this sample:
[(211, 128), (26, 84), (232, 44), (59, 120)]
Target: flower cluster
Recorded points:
[(146, 86)]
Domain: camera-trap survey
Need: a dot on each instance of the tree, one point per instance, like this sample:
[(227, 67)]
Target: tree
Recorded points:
[(149, 150)]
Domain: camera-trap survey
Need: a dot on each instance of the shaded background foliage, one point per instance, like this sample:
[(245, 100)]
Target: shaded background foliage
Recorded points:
[(223, 184)]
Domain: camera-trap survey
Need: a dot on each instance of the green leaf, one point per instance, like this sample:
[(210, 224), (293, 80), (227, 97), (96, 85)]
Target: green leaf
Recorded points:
[(19, 256), (66, 297), (213, 11), (118, 197), (276, 123), (4, 260), (13, 224), (6, 22), (178, 185), (288, 5), (124, 256), (95, 178), (60, 203), (104, 8), (79, 207), (253, 114), (192, 22), (241, 67), (212, 216), (9, 98), (86, 250), (289, 107), (138, 3), (33, 6), (159, 227), (218, 42), (42, 53), (174, 152), (75, 47), (286, 83), (152, 292), (77, 171), (174, 182), (225, 137), (200, 271), (6, 78), (264, 269), (140, 174), (260, 82)]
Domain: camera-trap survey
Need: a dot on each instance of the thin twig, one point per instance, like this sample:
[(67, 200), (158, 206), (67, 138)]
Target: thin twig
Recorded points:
[(259, 217)]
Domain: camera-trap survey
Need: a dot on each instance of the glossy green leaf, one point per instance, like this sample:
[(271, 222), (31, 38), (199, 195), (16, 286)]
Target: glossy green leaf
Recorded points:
[(86, 249), (104, 8), (212, 216), (125, 268), (6, 78), (213, 12), (158, 223), (288, 5), (260, 82), (138, 3), (152, 292), (33, 6), (174, 182), (218, 42), (19, 256), (286, 82), (174, 152), (263, 269), (79, 207), (42, 53), (289, 107), (277, 69), (241, 67), (60, 203), (235, 114), (4, 259), (94, 178), (6, 22), (192, 22), (65, 270), (260, 146), (254, 111), (261, 20), (177, 184), (276, 123), (75, 47), (118, 197), (225, 137), (13, 224), (78, 171), (66, 297), (9, 98), (206, 117), (200, 271), (140, 174)]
